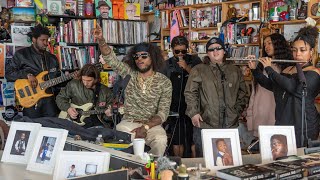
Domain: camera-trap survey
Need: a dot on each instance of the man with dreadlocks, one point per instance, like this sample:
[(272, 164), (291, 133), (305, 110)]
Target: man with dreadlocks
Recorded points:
[(28, 62)]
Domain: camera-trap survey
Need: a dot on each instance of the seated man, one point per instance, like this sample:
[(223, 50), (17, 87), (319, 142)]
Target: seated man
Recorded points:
[(86, 89), (147, 95)]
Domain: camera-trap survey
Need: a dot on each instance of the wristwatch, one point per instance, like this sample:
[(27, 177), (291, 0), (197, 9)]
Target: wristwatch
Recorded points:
[(146, 127), (28, 75)]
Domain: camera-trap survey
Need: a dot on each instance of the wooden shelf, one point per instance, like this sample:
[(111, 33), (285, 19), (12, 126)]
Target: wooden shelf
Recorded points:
[(199, 41), (71, 17), (250, 22), (156, 41), (204, 28), (241, 1), (249, 44), (147, 13), (289, 22)]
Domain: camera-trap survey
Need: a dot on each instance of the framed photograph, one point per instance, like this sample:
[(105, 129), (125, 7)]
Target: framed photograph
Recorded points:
[(24, 3), (19, 35), (221, 147), (48, 145), (72, 164), (276, 142), (54, 7), (20, 142), (23, 14)]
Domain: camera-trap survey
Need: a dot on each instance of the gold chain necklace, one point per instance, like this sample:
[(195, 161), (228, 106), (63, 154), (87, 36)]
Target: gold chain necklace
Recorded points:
[(145, 83)]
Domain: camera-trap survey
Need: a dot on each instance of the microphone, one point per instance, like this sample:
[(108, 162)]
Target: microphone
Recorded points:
[(300, 73)]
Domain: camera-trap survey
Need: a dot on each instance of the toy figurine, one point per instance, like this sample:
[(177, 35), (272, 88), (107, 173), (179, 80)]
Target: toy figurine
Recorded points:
[(232, 12)]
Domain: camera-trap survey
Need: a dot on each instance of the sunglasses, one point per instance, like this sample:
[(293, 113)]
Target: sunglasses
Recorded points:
[(143, 55), (213, 49), (180, 51)]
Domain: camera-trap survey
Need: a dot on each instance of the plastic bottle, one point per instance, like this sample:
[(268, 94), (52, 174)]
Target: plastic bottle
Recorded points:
[(88, 8), (99, 139), (61, 29)]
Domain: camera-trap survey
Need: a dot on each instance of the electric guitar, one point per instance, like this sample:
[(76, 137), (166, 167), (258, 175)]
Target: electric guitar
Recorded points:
[(28, 96), (83, 112)]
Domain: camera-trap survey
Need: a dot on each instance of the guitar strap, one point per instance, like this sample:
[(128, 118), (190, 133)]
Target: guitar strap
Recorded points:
[(95, 100)]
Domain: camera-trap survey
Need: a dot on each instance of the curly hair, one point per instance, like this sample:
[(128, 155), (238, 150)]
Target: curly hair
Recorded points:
[(281, 47), (309, 35), (154, 53), (179, 40), (281, 50), (38, 30)]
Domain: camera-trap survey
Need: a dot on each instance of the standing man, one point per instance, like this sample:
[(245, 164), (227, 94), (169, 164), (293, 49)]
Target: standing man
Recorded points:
[(215, 93), (147, 95), (104, 9), (177, 69), (86, 89), (28, 62)]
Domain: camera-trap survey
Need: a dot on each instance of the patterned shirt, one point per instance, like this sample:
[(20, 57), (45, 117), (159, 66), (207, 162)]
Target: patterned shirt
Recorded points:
[(143, 101)]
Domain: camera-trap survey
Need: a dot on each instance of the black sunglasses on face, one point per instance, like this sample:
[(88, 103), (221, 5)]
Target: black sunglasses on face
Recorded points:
[(143, 55), (181, 51), (213, 49)]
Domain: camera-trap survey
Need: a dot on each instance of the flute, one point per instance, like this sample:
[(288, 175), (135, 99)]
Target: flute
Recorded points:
[(273, 60)]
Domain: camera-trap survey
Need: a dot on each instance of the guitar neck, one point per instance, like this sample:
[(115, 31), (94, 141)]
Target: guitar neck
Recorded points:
[(58, 80), (91, 112)]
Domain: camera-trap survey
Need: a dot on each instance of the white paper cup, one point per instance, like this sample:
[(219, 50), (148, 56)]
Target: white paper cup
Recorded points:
[(138, 147)]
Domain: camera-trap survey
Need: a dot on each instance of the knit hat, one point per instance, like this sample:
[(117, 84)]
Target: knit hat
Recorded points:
[(215, 40)]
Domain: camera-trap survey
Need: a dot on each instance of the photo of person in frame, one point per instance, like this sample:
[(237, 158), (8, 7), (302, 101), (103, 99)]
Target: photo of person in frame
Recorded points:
[(72, 171), (20, 143), (279, 146), (46, 150), (222, 151)]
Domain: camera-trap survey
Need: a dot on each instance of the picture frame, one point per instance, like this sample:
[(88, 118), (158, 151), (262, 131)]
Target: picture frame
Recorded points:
[(228, 143), (54, 7), (276, 142), (49, 143), (71, 164), (18, 150), (19, 35)]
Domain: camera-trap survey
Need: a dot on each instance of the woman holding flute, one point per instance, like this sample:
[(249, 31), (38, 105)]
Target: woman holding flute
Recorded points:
[(287, 87), (261, 109)]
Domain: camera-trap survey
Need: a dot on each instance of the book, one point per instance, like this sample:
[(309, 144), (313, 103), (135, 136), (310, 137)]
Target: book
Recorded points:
[(310, 164), (246, 172), (24, 3), (19, 35), (283, 171)]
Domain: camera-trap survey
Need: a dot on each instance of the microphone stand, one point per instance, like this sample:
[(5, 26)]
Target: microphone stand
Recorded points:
[(303, 107), (115, 109)]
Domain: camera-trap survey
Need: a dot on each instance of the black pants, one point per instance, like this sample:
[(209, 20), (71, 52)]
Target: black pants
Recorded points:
[(46, 107), (197, 141)]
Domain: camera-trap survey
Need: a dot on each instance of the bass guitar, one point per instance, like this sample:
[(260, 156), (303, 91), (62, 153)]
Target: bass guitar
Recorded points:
[(83, 112), (28, 96)]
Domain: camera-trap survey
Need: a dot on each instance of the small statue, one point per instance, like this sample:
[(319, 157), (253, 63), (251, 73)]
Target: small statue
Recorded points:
[(232, 12)]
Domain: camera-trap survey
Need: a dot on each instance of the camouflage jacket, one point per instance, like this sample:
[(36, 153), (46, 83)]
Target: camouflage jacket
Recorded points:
[(143, 104)]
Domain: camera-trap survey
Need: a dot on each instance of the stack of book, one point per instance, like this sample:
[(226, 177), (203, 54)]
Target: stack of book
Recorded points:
[(306, 166)]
